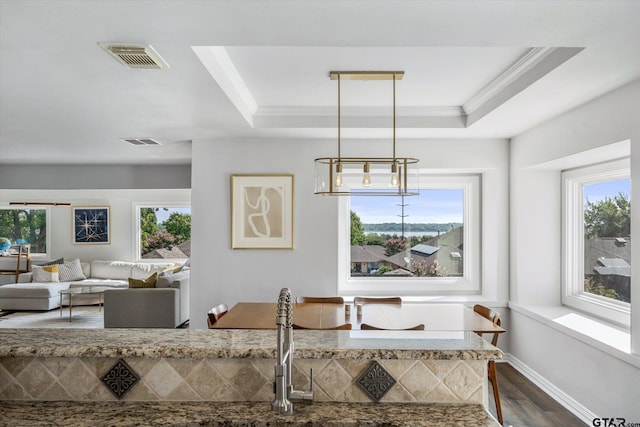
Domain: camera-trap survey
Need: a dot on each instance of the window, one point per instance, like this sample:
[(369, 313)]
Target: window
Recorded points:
[(597, 240), (412, 245), (164, 231), (26, 226)]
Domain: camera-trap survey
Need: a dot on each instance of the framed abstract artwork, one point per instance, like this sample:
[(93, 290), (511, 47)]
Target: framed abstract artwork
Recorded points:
[(91, 225), (262, 211)]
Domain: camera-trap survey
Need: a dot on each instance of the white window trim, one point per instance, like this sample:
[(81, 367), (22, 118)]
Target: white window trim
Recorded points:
[(136, 227), (468, 284), (39, 256), (573, 181)]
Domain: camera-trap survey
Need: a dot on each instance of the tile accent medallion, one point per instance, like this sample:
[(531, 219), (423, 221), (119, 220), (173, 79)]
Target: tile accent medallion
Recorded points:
[(376, 381), (120, 379)]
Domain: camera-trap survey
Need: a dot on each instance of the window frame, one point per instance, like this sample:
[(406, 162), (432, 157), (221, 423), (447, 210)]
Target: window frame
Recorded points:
[(137, 232), (468, 284), (573, 295), (38, 255)]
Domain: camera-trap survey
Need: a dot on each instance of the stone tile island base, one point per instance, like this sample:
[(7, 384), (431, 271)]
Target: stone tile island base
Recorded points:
[(209, 372), (234, 380)]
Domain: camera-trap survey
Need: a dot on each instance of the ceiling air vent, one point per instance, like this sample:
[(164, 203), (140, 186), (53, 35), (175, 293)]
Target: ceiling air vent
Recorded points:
[(141, 141), (136, 56)]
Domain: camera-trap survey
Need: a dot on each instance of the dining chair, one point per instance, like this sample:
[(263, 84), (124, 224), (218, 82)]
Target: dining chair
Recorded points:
[(216, 313), (366, 326), (372, 300), (331, 300), (494, 317), (345, 326)]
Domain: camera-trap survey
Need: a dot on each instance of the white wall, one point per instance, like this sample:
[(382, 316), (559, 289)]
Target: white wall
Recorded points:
[(595, 379), (116, 186), (122, 217), (220, 274)]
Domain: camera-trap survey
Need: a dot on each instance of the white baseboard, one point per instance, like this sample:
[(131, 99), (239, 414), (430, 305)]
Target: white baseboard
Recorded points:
[(570, 404)]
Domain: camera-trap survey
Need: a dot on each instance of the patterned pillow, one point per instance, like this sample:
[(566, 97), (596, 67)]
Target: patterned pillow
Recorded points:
[(171, 269), (45, 273), (56, 261), (149, 282), (71, 270)]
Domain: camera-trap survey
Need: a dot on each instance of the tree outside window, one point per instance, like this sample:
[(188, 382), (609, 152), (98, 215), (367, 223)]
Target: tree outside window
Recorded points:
[(25, 226), (165, 232)]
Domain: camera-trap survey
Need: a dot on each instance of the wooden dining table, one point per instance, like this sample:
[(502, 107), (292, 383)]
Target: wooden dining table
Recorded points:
[(435, 317)]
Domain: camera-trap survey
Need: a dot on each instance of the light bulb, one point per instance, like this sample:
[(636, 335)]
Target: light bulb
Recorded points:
[(366, 177), (338, 181), (394, 175)]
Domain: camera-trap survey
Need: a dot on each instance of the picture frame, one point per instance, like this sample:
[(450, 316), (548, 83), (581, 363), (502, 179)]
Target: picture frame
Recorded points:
[(262, 211), (91, 225)]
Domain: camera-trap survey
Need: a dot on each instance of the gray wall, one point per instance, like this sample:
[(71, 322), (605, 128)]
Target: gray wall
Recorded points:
[(50, 177)]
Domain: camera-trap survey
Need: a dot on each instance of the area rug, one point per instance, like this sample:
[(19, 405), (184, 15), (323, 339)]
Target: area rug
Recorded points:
[(83, 317)]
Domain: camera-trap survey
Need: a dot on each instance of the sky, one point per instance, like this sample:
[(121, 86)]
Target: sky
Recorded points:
[(163, 215), (599, 191), (431, 206), (444, 206)]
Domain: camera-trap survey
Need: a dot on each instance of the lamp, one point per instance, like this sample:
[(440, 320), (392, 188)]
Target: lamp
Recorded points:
[(367, 176)]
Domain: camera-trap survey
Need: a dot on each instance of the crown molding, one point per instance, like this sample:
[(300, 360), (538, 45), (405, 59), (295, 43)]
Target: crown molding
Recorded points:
[(358, 117), (533, 65), (219, 65)]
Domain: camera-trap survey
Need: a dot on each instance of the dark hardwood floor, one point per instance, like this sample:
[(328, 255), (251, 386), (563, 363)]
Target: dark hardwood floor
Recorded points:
[(526, 405)]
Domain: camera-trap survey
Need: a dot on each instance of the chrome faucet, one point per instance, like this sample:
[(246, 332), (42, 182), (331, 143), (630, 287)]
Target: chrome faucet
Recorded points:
[(283, 386)]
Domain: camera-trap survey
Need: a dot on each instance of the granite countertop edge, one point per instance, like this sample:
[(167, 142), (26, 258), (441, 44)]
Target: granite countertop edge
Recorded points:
[(259, 344), (118, 414)]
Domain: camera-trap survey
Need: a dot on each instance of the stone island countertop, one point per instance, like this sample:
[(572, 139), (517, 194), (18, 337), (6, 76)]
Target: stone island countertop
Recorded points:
[(242, 343), (118, 414)]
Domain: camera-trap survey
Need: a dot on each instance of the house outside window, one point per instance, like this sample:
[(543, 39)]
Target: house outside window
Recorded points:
[(412, 245), (164, 231), (25, 225), (597, 240)]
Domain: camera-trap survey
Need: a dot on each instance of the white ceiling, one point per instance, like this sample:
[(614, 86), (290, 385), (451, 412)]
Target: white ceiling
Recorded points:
[(474, 69)]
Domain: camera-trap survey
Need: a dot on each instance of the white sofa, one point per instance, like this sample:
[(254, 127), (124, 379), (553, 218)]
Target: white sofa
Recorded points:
[(28, 295)]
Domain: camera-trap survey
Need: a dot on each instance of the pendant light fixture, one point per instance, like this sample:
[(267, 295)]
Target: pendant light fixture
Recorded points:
[(367, 176)]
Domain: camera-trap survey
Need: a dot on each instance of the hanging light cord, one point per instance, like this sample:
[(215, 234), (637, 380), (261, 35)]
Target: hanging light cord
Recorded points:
[(339, 115), (394, 116)]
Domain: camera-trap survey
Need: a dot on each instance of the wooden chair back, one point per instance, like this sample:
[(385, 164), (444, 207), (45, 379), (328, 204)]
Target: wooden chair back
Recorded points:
[(491, 315), (494, 317), (329, 300), (372, 300), (366, 326), (345, 326), (216, 313)]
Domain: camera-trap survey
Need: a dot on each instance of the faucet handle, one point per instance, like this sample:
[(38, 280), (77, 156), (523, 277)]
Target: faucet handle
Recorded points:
[(306, 396)]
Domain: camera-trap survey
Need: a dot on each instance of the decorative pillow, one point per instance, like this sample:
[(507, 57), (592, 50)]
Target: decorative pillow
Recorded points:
[(71, 270), (171, 269), (172, 280), (149, 282), (45, 273), (56, 261)]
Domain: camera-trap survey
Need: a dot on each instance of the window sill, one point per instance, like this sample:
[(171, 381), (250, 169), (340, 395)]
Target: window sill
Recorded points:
[(596, 333)]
